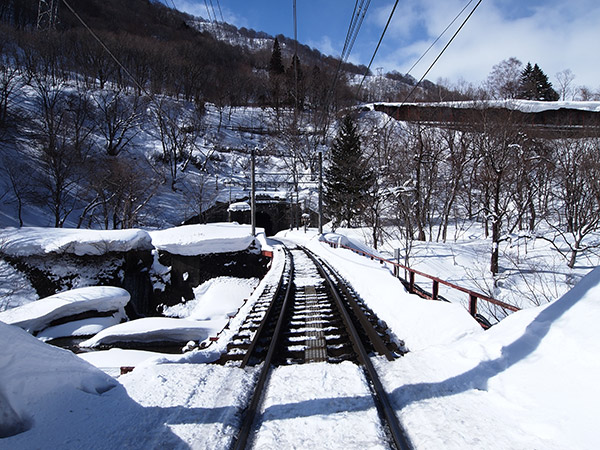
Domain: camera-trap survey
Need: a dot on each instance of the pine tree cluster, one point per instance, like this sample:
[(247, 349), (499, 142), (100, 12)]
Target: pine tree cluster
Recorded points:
[(534, 85)]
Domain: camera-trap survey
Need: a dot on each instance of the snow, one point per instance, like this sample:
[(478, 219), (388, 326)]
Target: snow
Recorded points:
[(239, 206), (157, 329), (191, 240), (325, 406), (528, 382), (33, 375), (29, 241), (15, 289), (38, 315), (526, 106), (84, 327), (113, 359), (417, 322), (216, 298)]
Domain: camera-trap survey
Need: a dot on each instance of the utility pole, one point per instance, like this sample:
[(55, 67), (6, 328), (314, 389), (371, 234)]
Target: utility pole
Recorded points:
[(320, 192), (47, 14), (253, 190)]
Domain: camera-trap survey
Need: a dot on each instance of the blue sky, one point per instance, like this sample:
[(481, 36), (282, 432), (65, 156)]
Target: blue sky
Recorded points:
[(556, 34)]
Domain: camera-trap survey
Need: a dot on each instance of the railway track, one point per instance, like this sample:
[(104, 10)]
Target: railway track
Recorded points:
[(313, 316)]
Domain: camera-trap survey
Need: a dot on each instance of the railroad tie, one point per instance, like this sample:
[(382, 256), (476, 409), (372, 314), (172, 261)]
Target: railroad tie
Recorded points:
[(316, 347)]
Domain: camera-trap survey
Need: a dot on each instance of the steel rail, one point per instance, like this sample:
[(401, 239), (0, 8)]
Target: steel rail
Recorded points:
[(382, 401), (267, 315), (250, 414), (375, 338)]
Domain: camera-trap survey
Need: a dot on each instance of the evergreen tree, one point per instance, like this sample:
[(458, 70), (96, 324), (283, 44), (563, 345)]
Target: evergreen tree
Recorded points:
[(295, 83), (535, 85), (348, 177), (276, 63)]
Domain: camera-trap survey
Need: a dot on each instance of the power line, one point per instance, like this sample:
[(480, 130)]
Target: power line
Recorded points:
[(220, 12), (442, 52), (208, 11), (358, 15), (439, 37), (106, 49), (125, 70), (377, 48)]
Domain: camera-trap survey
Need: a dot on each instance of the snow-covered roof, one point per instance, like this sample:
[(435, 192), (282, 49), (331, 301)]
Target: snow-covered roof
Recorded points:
[(239, 206)]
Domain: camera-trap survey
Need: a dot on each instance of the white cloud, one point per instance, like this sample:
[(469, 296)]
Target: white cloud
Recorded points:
[(325, 46), (557, 37)]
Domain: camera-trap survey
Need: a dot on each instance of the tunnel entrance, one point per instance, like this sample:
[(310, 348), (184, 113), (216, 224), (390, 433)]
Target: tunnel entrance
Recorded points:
[(272, 214), (263, 220)]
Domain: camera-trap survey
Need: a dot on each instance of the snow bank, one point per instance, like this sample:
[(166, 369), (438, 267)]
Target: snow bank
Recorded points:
[(113, 359), (526, 106), (85, 327), (38, 315), (33, 372), (191, 240), (39, 241), (216, 298), (156, 329), (530, 381), (341, 239)]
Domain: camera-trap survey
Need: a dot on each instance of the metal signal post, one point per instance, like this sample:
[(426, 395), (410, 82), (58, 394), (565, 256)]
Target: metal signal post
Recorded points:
[(253, 190)]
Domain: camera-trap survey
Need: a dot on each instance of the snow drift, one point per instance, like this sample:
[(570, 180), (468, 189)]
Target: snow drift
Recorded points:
[(30, 241), (36, 316), (32, 373)]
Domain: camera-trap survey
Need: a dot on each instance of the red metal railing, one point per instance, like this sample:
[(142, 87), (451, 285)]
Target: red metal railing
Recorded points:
[(473, 296)]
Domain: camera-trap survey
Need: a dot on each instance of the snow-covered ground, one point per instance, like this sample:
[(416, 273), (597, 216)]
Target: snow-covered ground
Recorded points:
[(532, 272), (528, 382)]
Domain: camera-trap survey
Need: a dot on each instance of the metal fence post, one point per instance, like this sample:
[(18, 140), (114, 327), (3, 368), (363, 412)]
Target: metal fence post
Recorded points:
[(473, 304), (435, 289)]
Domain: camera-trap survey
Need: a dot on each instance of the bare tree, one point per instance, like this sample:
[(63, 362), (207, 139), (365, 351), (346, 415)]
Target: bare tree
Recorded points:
[(565, 79), (504, 79), (458, 156), (379, 150), (496, 149), (18, 187), (117, 193), (62, 147), (9, 83), (117, 119), (178, 131), (578, 195)]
